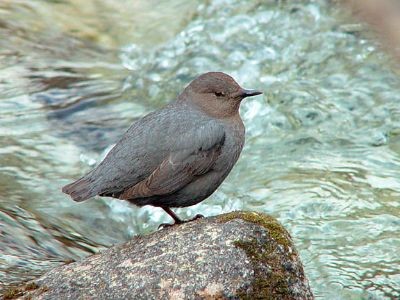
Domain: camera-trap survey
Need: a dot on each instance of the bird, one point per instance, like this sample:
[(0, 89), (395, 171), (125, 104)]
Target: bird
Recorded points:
[(176, 156)]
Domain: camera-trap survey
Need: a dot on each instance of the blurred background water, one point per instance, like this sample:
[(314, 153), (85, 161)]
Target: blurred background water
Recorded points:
[(323, 142)]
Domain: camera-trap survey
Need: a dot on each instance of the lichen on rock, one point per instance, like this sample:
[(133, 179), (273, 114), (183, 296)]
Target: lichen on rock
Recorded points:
[(285, 270)]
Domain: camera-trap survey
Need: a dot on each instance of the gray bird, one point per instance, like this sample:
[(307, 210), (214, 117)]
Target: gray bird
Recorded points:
[(176, 156)]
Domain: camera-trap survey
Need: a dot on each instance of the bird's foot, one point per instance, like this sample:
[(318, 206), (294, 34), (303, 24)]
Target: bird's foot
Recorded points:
[(196, 217), (166, 225)]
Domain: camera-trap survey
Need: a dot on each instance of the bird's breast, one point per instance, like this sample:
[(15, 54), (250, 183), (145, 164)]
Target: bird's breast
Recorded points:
[(233, 145)]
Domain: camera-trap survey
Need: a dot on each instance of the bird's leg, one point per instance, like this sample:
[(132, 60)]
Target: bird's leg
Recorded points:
[(176, 218), (173, 215)]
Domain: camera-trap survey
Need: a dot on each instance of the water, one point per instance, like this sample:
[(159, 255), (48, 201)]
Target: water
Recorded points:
[(323, 142)]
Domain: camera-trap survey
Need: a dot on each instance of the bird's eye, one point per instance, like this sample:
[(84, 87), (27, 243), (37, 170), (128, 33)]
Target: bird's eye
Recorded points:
[(219, 94)]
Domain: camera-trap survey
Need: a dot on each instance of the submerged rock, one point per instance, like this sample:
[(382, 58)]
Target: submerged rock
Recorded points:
[(239, 255)]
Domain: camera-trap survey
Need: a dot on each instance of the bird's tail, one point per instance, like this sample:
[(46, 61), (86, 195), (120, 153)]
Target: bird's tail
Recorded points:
[(80, 190)]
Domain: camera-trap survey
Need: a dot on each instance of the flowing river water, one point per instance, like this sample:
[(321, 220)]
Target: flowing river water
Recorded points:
[(322, 149)]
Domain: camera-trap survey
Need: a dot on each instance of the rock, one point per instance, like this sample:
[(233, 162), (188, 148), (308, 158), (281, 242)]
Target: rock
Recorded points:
[(239, 255)]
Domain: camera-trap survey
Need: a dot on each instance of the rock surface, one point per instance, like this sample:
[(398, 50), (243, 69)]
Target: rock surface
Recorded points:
[(239, 255)]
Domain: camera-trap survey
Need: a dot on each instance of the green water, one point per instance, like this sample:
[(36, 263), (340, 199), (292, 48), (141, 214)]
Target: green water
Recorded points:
[(323, 143)]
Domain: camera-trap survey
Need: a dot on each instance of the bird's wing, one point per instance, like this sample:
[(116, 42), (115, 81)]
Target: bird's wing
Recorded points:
[(194, 154), (142, 149)]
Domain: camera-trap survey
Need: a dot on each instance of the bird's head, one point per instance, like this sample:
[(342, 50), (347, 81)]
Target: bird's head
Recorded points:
[(217, 93)]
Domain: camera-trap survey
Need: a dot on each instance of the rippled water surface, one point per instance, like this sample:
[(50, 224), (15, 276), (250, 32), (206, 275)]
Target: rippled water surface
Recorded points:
[(323, 142)]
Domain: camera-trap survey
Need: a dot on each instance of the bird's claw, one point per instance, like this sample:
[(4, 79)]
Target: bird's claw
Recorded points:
[(165, 225), (196, 217)]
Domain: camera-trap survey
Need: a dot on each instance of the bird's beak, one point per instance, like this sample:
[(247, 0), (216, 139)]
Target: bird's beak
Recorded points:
[(249, 93)]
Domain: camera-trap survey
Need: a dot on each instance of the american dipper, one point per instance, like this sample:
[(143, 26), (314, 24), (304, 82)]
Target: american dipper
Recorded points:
[(176, 156)]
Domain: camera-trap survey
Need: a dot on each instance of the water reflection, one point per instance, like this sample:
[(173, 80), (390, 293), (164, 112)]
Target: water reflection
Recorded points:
[(322, 151)]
